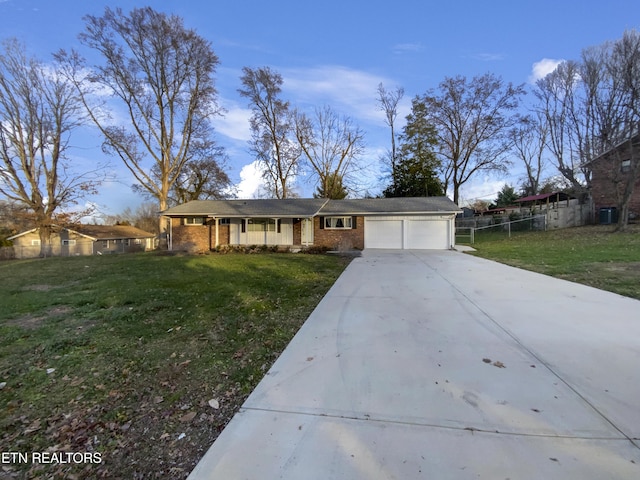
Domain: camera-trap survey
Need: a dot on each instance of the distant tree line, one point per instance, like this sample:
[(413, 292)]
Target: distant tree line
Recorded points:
[(151, 95)]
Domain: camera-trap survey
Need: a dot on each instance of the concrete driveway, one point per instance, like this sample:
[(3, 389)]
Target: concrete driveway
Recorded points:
[(439, 365)]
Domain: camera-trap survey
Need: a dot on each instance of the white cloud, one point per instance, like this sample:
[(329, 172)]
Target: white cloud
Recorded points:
[(489, 57), (235, 122), (251, 181), (480, 189), (348, 91), (543, 68), (401, 48)]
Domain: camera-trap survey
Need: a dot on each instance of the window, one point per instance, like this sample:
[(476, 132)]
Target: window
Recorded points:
[(224, 221), (68, 242), (337, 223), (35, 243), (261, 225), (138, 241), (194, 221), (625, 166)]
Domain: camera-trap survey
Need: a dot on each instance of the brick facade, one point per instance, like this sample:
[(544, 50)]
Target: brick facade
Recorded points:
[(339, 239), (607, 184), (198, 237), (195, 238)]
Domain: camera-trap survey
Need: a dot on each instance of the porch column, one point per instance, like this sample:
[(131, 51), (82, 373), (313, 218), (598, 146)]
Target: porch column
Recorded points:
[(217, 220)]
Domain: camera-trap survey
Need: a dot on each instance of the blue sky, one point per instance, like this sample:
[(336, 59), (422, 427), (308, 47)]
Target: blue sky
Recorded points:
[(337, 52)]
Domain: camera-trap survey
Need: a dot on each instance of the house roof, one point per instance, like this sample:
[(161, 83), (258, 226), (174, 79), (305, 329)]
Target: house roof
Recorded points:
[(290, 207), (309, 207), (632, 143), (544, 196), (390, 206), (111, 232), (99, 232)]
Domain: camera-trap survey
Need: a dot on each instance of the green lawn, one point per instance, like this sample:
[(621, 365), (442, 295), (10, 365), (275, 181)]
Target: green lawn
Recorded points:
[(592, 255), (143, 358)]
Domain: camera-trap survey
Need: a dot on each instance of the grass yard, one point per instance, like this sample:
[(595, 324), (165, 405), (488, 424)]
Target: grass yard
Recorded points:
[(141, 358), (592, 255)]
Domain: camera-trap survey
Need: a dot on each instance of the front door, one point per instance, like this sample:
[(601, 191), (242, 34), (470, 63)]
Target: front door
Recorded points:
[(307, 231)]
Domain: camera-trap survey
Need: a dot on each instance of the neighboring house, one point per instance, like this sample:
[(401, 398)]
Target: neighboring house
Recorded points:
[(609, 176), (395, 223), (83, 240)]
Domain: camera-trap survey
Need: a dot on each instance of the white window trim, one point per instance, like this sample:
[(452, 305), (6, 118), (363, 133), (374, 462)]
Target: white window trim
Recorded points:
[(35, 243), (330, 223), (68, 242), (194, 221)]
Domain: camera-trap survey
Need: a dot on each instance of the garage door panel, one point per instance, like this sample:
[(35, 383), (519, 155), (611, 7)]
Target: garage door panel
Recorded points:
[(383, 233), (426, 234)]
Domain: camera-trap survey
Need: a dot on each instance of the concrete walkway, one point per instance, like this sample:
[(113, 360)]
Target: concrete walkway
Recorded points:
[(439, 365)]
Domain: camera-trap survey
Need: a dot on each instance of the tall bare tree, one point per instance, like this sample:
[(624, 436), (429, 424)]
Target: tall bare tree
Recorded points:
[(615, 109), (39, 110), (272, 129), (592, 106), (560, 105), (471, 120), (159, 75), (332, 146), (529, 139), (388, 101)]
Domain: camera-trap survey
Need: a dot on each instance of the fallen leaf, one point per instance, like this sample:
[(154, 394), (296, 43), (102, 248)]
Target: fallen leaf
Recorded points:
[(34, 426), (213, 403), (50, 370), (158, 399), (499, 364), (486, 360), (188, 417)]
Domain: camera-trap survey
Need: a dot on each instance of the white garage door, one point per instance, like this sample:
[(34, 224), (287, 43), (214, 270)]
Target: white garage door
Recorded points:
[(382, 233), (427, 234), (417, 233)]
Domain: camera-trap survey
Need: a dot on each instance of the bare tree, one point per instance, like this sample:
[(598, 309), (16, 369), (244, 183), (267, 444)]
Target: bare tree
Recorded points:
[(560, 105), (39, 110), (200, 179), (471, 120), (624, 67), (529, 140), (160, 76), (272, 128), (593, 111), (332, 147), (388, 102), (144, 217)]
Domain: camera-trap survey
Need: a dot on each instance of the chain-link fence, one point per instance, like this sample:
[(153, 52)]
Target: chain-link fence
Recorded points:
[(471, 235)]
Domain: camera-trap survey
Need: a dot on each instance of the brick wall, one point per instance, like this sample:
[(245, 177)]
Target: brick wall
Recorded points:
[(339, 239), (607, 184), (199, 237), (191, 237)]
